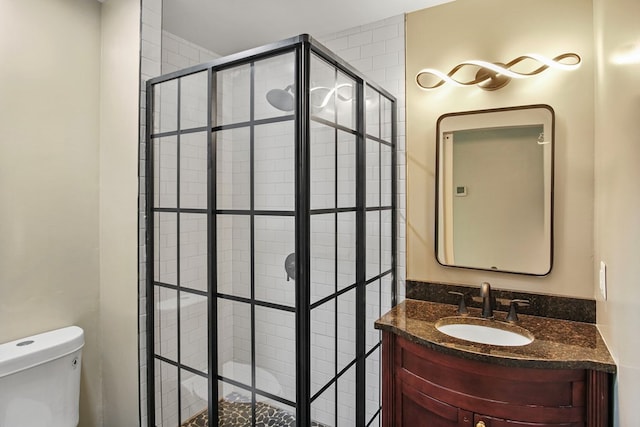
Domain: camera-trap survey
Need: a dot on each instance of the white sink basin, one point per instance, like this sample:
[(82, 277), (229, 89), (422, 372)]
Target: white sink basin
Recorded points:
[(484, 331)]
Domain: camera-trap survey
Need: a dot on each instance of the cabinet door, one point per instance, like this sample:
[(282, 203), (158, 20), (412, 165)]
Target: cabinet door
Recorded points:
[(485, 421), (416, 409)]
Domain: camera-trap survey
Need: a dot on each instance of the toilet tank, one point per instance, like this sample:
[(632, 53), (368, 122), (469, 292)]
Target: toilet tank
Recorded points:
[(40, 379)]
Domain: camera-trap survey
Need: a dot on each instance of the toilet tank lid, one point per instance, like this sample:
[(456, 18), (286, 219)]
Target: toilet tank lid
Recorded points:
[(28, 352)]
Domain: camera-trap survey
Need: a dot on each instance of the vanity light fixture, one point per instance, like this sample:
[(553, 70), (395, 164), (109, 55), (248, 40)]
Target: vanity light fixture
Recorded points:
[(492, 76)]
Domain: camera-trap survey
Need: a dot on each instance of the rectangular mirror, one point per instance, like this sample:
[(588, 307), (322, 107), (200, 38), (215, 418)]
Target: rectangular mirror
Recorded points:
[(494, 189)]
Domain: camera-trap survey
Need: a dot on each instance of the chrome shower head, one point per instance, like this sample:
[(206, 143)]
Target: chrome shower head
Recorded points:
[(282, 99)]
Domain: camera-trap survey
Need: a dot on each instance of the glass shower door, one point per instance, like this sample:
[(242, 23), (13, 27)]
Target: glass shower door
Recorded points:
[(270, 241), (180, 272)]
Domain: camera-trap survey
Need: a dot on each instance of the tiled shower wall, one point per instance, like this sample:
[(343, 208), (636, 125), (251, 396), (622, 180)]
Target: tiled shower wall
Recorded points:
[(178, 53), (378, 51)]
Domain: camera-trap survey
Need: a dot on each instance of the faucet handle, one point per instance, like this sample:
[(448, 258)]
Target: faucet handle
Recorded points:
[(462, 306), (513, 309)]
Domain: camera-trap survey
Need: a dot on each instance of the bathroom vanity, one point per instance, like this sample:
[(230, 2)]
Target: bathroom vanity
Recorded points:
[(431, 379)]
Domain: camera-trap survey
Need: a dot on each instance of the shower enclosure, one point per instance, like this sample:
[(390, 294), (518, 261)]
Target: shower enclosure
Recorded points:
[(270, 240)]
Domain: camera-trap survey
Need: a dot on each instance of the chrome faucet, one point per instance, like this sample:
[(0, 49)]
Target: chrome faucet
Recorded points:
[(485, 293)]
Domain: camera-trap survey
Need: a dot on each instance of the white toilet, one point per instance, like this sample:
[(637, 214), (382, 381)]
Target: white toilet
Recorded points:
[(40, 379)]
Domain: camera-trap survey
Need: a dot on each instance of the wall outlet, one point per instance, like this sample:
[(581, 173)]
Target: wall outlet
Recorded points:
[(603, 280)]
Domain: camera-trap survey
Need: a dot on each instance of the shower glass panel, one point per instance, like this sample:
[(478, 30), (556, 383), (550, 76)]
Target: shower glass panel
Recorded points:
[(270, 240)]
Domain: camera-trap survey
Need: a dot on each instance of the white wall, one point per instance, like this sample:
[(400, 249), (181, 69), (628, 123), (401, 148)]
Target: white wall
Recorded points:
[(443, 36), (69, 185), (617, 203), (49, 180), (119, 129)]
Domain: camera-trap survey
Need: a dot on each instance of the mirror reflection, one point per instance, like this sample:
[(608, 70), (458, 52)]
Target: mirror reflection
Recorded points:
[(494, 189)]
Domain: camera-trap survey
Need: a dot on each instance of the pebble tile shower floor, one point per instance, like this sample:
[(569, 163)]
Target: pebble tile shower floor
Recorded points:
[(237, 413)]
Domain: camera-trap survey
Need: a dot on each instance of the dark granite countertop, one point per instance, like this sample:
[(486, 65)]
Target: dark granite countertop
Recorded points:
[(558, 344)]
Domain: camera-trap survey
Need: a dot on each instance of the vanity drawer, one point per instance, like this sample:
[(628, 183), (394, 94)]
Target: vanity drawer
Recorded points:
[(533, 394), (420, 410), (498, 422)]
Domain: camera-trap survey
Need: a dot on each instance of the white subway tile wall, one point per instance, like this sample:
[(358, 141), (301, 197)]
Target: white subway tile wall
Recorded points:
[(193, 331), (323, 409), (192, 403), (322, 345), (362, 47), (269, 74), (193, 170), (165, 118), (377, 50), (233, 249), (322, 168), (193, 100), (347, 398), (274, 240), (178, 53), (276, 348), (166, 394), (166, 322), (233, 96), (373, 384), (274, 167), (193, 251)]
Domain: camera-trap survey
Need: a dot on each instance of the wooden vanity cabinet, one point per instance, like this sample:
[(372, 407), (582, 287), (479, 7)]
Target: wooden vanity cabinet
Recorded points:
[(423, 387)]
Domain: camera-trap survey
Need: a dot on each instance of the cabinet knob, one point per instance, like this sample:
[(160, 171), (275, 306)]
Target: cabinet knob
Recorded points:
[(481, 424)]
